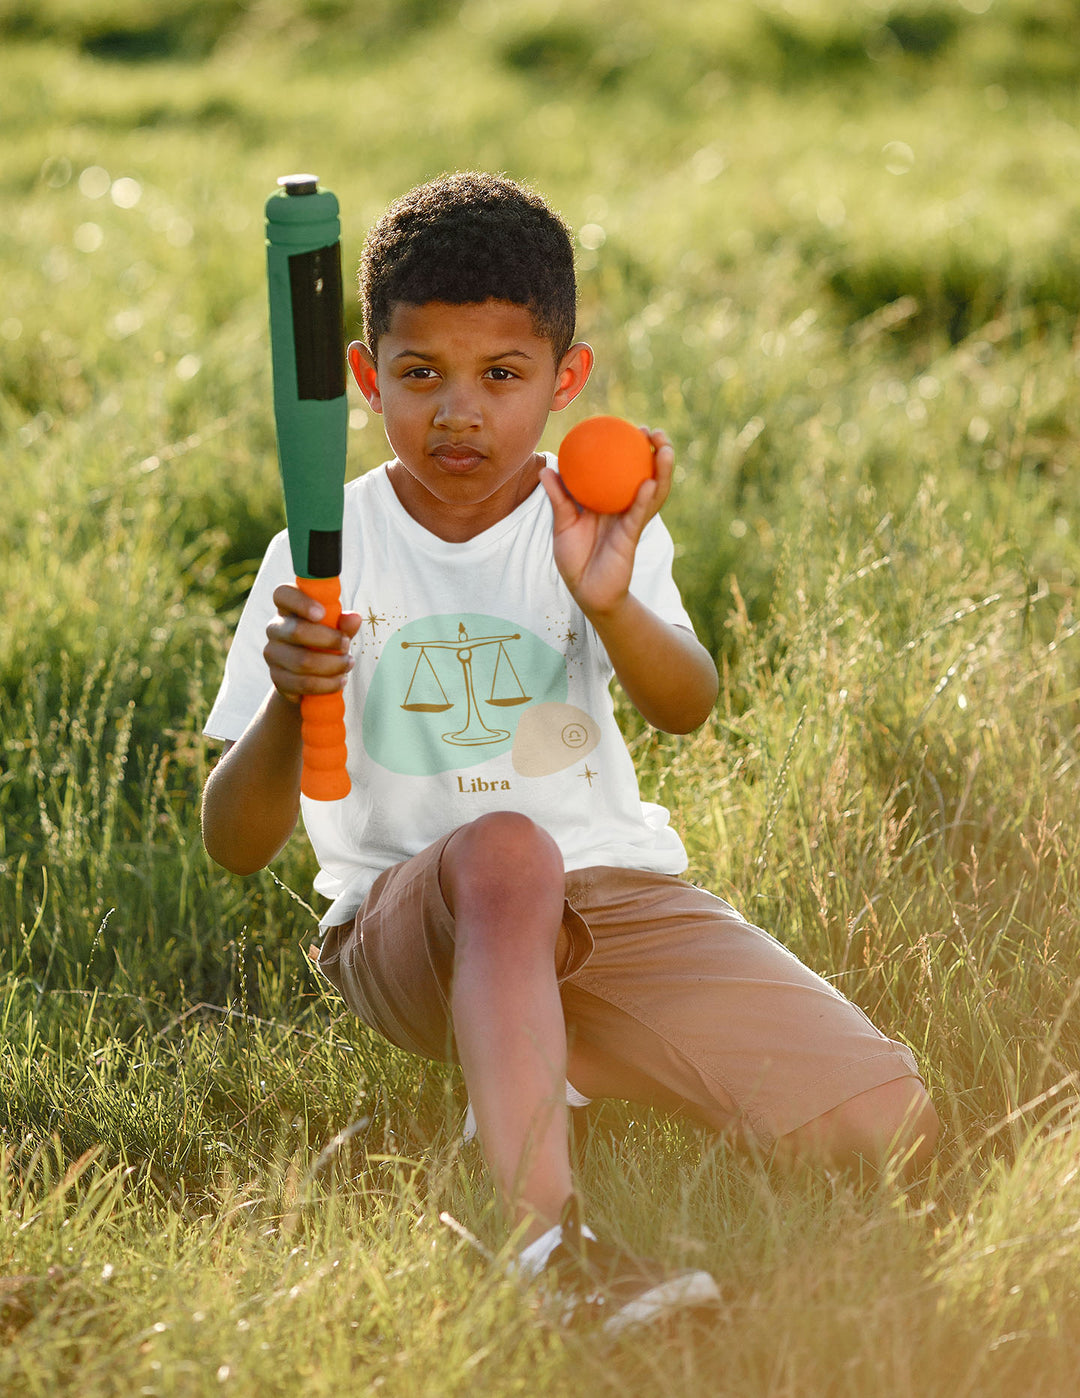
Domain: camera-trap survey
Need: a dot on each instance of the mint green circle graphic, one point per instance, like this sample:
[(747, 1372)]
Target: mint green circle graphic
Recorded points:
[(449, 691)]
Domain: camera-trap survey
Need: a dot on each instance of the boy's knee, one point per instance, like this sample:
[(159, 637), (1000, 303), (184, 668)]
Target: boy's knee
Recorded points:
[(893, 1122), (899, 1123), (499, 836), (498, 854)]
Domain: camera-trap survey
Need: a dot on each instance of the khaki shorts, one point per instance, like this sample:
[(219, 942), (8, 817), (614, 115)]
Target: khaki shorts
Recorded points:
[(670, 997)]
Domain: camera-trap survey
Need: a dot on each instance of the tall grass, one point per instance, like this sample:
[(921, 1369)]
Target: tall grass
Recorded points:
[(826, 245)]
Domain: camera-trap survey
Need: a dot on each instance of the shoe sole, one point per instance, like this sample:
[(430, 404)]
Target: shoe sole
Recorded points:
[(690, 1291)]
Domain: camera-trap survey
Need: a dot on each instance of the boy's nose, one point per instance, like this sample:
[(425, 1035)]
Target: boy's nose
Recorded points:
[(456, 410)]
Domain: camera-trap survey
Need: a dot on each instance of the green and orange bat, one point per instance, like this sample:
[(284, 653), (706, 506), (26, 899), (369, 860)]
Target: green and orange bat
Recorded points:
[(307, 337)]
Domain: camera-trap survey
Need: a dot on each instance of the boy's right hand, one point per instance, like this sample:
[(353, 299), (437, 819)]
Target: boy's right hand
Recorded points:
[(303, 655)]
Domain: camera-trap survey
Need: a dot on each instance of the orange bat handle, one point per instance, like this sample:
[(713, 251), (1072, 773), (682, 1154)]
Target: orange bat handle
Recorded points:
[(322, 716)]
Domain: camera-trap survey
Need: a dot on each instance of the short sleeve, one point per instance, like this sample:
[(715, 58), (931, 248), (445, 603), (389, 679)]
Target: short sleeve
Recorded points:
[(246, 681), (652, 582)]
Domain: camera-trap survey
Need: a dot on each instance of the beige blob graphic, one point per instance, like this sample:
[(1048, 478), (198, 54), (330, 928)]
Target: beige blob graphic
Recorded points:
[(551, 737)]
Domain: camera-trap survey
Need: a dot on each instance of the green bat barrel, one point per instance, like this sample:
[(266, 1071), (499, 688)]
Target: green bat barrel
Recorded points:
[(307, 336)]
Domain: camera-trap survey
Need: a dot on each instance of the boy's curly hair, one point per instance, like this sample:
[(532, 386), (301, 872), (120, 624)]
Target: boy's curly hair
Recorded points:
[(466, 238)]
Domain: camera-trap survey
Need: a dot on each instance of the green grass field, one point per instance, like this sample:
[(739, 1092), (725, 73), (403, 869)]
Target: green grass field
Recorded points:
[(831, 247)]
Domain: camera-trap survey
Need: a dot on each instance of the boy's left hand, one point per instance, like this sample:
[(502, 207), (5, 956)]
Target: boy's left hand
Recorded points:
[(594, 553)]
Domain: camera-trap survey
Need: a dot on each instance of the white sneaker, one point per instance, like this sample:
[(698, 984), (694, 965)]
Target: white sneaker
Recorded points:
[(596, 1282)]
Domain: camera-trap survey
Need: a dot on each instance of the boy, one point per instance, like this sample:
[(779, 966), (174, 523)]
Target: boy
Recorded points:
[(502, 897)]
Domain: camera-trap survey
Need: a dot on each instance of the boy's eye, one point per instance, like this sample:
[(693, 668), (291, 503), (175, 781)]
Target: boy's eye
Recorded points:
[(501, 375), (419, 371)]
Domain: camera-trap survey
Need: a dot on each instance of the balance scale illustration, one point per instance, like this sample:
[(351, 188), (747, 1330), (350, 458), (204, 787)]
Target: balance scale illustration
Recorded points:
[(426, 695)]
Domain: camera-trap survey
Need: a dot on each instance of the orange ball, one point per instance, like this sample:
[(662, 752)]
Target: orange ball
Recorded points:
[(603, 461)]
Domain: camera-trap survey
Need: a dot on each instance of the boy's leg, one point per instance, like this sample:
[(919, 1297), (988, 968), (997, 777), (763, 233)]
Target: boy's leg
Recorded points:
[(895, 1121), (684, 1003), (455, 955), (502, 878)]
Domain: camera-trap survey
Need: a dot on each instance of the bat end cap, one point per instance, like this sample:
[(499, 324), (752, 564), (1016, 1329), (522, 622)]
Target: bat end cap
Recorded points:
[(299, 184)]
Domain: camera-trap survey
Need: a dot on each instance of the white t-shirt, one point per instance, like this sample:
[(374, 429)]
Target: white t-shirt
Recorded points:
[(478, 686)]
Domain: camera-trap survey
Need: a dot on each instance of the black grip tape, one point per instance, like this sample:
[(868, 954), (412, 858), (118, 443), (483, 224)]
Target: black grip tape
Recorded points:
[(324, 553), (318, 321)]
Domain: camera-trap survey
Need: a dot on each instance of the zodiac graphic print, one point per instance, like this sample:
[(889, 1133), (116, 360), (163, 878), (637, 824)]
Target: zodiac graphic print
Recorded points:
[(456, 690)]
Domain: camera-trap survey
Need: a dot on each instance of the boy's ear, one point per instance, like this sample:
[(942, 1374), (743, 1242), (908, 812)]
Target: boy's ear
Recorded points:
[(572, 374), (362, 363)]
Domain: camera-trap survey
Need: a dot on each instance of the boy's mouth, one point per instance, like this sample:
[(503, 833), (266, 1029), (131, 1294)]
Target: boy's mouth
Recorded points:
[(455, 456)]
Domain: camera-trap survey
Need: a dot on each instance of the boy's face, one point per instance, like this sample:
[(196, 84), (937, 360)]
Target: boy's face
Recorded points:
[(464, 392)]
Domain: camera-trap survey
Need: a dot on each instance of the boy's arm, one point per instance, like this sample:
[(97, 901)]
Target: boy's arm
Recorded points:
[(667, 674), (252, 797)]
